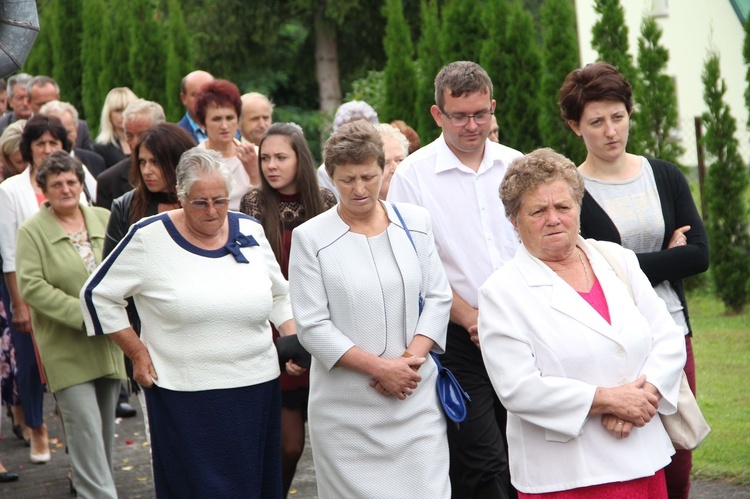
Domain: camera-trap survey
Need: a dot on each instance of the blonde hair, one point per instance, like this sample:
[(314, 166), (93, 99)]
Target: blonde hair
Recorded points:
[(117, 98), (10, 140), (387, 130)]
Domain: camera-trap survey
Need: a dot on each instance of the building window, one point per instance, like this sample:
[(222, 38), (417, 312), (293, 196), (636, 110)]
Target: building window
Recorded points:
[(660, 8)]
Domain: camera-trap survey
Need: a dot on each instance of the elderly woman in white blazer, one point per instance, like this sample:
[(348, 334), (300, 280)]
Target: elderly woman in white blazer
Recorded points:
[(583, 368), (376, 425)]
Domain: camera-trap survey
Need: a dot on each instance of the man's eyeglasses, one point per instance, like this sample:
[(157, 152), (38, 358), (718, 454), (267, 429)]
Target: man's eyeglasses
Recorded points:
[(463, 119), (202, 204)]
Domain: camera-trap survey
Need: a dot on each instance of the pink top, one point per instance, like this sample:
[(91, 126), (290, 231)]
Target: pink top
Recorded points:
[(596, 299), (40, 198)]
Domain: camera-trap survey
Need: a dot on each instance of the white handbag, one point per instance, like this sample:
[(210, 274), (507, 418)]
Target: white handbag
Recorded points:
[(687, 427)]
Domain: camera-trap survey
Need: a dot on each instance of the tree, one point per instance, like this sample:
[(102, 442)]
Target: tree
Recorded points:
[(65, 37), (400, 76), (92, 60), (610, 37), (462, 27), (656, 129), (746, 55), (726, 183), (493, 50), (519, 116), (147, 52), (179, 59), (429, 63), (560, 57), (40, 57), (610, 40), (115, 67)]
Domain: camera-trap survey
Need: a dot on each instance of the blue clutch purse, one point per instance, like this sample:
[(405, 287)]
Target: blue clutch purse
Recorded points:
[(452, 397)]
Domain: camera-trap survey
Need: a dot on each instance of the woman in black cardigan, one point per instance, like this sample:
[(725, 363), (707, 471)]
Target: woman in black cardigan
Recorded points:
[(642, 203)]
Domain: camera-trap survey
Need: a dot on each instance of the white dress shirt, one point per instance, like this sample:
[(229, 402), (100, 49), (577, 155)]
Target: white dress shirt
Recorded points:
[(472, 234)]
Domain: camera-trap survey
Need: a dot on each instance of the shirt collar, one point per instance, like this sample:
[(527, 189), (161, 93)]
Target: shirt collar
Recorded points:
[(447, 159), (193, 124)]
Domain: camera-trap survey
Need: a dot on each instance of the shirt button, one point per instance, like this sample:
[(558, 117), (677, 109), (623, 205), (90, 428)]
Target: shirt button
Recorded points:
[(623, 381), (620, 352)]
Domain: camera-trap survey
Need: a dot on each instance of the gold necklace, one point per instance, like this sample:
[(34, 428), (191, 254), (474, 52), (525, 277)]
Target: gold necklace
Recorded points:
[(585, 272)]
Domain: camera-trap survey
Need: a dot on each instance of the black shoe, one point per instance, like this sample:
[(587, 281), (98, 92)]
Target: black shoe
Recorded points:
[(7, 476), (18, 431), (124, 410)]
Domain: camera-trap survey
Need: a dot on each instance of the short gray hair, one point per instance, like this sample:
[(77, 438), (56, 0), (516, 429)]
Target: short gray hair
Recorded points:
[(387, 130), (250, 96), (17, 79), (40, 81), (57, 108), (197, 163), (143, 107), (354, 110)]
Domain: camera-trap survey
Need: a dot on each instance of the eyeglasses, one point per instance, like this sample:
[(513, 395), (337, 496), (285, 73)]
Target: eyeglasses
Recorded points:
[(463, 119), (202, 204)]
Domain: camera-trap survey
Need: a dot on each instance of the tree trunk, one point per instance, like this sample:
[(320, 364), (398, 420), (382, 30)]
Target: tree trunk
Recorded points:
[(326, 64)]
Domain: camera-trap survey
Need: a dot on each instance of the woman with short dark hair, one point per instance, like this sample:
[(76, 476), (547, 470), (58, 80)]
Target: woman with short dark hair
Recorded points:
[(57, 250), (20, 198), (645, 204)]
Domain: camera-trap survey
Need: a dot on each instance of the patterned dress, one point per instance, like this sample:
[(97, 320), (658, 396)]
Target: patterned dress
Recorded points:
[(292, 214)]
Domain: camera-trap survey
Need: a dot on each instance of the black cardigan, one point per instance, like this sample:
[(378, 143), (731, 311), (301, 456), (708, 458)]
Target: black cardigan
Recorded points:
[(678, 209)]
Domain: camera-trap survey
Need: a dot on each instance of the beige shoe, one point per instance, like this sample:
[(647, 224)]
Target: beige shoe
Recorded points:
[(40, 453)]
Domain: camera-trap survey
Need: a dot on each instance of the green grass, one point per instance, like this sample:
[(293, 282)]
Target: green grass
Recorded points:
[(721, 344)]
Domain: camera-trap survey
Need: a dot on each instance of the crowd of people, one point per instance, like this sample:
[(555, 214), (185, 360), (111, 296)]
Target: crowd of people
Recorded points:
[(164, 261)]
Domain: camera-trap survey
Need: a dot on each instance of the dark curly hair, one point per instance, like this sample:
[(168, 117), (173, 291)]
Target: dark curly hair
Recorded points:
[(35, 127)]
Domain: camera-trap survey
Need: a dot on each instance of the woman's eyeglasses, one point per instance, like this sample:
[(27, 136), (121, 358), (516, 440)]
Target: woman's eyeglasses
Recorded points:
[(202, 204)]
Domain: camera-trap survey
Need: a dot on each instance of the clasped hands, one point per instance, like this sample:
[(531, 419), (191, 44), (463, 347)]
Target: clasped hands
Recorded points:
[(632, 405), (398, 377)]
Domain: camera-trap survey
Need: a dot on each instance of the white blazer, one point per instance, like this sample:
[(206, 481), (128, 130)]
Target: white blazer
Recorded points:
[(18, 203), (547, 350), (329, 272)]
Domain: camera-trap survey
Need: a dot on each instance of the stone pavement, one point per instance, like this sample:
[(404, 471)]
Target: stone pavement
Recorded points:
[(133, 471), (133, 476)]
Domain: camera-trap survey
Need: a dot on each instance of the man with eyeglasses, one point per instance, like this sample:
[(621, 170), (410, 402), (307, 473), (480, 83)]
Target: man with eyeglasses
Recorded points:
[(456, 178)]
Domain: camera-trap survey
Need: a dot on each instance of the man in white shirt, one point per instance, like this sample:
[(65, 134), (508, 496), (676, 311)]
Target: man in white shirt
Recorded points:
[(456, 178)]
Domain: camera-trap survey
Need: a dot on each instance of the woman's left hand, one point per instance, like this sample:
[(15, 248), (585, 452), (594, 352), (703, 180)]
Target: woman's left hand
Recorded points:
[(248, 158), (293, 369), (617, 427), (398, 378), (678, 237)]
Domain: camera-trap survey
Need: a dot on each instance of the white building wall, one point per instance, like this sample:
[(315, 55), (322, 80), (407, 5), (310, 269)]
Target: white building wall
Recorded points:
[(690, 29)]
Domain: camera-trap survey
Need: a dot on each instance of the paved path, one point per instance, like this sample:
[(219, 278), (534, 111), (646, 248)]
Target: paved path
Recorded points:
[(133, 472)]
